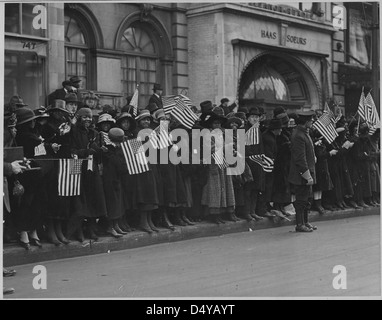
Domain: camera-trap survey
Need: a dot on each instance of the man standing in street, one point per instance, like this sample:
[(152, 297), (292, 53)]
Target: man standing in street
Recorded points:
[(302, 173)]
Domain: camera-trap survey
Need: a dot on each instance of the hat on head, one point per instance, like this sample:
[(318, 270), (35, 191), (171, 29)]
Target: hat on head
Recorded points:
[(84, 112), (243, 110), (75, 79), (24, 115), (206, 106), (308, 113), (277, 111), (224, 100), (242, 116), (159, 114), (261, 109), (66, 83), (236, 120), (107, 108), (152, 107), (18, 101), (71, 97), (208, 118), (124, 115), (284, 119), (275, 124), (143, 114), (105, 117), (116, 135), (41, 113), (254, 112), (157, 86), (58, 105), (219, 111)]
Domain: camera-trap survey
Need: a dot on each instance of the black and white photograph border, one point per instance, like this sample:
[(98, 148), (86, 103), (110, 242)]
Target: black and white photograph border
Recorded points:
[(190, 150)]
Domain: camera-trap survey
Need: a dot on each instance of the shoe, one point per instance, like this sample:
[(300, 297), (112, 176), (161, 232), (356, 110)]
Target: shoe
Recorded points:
[(352, 204), (303, 228), (64, 241), (8, 291), (308, 225), (221, 220), (363, 204), (145, 229), (339, 205), (119, 230), (321, 210), (231, 217), (345, 205), (8, 273), (269, 215), (166, 223), (215, 219), (36, 243), (187, 221), (256, 217), (248, 217), (178, 221), (25, 245), (56, 242), (114, 233)]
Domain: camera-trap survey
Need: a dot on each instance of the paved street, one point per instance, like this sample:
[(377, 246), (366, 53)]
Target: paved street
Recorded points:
[(265, 263)]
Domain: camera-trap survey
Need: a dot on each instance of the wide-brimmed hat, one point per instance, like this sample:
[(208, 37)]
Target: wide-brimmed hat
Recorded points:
[(275, 124), (116, 135), (71, 97), (206, 106), (157, 86), (209, 117), (129, 117), (159, 114), (18, 101), (143, 114), (236, 120), (58, 105), (109, 109), (219, 111), (105, 117), (75, 79), (254, 111), (24, 115), (307, 113), (152, 107), (41, 113), (84, 112), (284, 119), (278, 110), (66, 83)]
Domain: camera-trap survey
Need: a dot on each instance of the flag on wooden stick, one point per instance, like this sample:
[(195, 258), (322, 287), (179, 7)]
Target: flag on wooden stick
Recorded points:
[(135, 157), (69, 177), (134, 102), (325, 126)]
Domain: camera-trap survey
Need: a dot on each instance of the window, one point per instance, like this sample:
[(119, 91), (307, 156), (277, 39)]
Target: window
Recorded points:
[(140, 64), (76, 51), (23, 75), (19, 19), (359, 35)]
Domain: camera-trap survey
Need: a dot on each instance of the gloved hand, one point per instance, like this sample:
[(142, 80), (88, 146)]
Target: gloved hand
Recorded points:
[(333, 152), (307, 176)]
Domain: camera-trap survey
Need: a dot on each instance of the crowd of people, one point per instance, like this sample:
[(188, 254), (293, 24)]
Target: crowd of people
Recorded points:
[(112, 202)]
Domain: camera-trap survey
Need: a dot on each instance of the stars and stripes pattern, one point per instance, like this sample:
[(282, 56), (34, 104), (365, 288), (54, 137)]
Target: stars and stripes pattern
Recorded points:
[(135, 157), (160, 138), (325, 125), (180, 108), (220, 160), (40, 150), (265, 162), (105, 139), (134, 102), (252, 136), (330, 113), (371, 114), (361, 106), (69, 177)]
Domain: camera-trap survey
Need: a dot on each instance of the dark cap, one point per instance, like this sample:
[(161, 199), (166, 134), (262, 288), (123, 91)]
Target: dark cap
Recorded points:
[(75, 79), (24, 115), (275, 124), (116, 135), (157, 86), (206, 106), (224, 100)]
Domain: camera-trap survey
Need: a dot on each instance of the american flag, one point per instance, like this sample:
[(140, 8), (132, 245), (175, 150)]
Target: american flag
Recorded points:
[(135, 156), (371, 114), (361, 106), (160, 138), (330, 113), (69, 177), (325, 126), (252, 136), (134, 102), (40, 150), (183, 113), (168, 104), (220, 160), (265, 162), (105, 139)]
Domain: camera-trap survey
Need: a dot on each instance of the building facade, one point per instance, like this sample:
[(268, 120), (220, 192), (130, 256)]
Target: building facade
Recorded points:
[(264, 54)]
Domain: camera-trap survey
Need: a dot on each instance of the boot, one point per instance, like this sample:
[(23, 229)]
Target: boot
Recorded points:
[(143, 223), (231, 217), (368, 202), (248, 217), (124, 226), (178, 220), (185, 219), (118, 229), (52, 237), (319, 207), (345, 205), (215, 219), (60, 235), (166, 222), (362, 204), (150, 222)]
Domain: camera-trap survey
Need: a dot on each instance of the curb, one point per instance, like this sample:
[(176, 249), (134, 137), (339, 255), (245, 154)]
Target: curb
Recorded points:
[(14, 255)]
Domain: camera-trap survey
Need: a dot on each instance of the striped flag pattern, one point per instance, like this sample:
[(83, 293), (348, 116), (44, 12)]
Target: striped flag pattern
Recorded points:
[(168, 104), (160, 138), (371, 114), (69, 177), (220, 160), (105, 138), (183, 113), (325, 126), (252, 136), (134, 102), (361, 106), (265, 162), (330, 113), (40, 150), (135, 156)]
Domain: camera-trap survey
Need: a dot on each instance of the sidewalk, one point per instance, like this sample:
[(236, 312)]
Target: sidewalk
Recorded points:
[(14, 255)]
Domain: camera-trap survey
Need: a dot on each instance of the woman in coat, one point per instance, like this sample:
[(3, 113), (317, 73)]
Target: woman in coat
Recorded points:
[(86, 145)]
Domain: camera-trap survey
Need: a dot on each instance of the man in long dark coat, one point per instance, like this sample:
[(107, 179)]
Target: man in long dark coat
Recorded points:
[(156, 97), (302, 172)]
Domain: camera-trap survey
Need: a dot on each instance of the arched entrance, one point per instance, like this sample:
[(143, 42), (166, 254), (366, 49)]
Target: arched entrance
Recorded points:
[(271, 80)]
